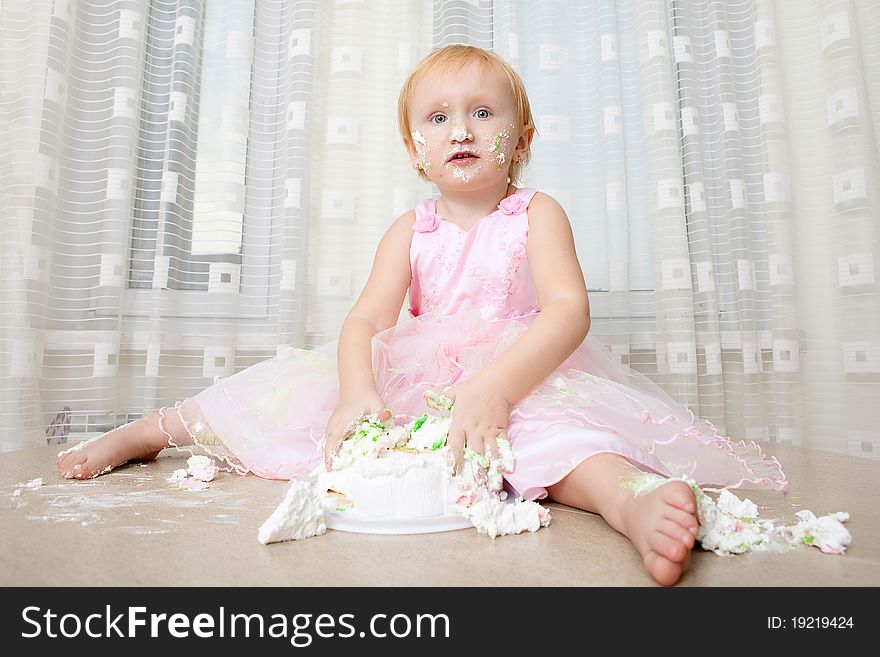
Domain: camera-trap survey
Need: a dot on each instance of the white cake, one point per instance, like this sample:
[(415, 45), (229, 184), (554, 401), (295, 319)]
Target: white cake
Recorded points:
[(392, 472), (395, 485), (399, 475)]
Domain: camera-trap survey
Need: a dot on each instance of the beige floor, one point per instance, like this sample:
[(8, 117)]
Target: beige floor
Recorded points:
[(130, 529)]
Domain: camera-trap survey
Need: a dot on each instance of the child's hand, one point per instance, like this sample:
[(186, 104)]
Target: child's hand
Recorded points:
[(480, 416), (345, 412)]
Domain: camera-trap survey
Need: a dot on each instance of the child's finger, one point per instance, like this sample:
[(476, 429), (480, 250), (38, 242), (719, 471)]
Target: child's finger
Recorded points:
[(330, 443), (455, 440), (490, 446), (476, 443)]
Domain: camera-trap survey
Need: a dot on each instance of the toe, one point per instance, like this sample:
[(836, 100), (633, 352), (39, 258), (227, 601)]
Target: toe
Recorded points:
[(666, 546), (680, 495), (68, 462), (82, 471), (676, 531), (662, 569), (687, 521)]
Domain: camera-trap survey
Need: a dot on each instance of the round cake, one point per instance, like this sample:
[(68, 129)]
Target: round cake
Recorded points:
[(396, 485), (391, 479), (392, 472)]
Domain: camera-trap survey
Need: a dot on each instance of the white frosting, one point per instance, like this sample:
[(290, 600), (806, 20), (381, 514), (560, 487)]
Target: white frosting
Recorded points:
[(201, 468), (418, 482), (405, 485), (298, 516), (369, 438), (430, 434), (78, 446), (495, 517), (458, 132), (483, 470), (826, 533), (393, 472), (178, 475), (182, 481), (506, 455), (732, 526), (397, 485)]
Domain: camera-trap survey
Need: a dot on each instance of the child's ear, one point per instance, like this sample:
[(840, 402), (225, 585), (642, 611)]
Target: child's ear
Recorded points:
[(525, 137)]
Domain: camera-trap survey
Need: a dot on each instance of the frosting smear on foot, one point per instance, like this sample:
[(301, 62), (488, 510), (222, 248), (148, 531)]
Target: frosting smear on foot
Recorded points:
[(730, 525)]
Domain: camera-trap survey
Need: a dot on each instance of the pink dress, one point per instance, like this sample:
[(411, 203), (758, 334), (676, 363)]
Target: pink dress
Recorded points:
[(472, 296)]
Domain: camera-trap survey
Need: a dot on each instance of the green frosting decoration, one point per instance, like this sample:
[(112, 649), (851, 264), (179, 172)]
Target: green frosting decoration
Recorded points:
[(418, 423)]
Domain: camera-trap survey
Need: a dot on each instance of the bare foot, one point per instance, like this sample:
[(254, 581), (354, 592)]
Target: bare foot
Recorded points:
[(663, 526), (131, 442)]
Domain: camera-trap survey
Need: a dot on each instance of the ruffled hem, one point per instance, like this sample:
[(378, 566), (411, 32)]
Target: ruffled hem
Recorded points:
[(589, 391), (272, 416), (775, 481), (202, 440)]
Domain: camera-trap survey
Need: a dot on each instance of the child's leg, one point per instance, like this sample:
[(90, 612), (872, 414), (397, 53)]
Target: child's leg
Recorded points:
[(141, 440), (662, 524)]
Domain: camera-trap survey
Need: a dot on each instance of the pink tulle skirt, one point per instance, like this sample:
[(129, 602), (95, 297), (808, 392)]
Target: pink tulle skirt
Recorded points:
[(269, 418)]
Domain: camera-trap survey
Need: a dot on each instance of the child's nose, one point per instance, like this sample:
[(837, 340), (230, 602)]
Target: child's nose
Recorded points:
[(459, 132)]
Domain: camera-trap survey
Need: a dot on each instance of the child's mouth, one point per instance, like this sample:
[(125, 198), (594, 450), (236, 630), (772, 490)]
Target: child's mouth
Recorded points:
[(463, 160)]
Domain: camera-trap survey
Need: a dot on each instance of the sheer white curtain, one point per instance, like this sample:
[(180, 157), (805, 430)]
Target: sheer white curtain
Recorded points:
[(187, 184), (719, 163)]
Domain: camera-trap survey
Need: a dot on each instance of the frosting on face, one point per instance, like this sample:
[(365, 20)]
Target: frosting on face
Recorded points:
[(463, 173), (458, 131), (500, 144), (421, 149), (474, 117)]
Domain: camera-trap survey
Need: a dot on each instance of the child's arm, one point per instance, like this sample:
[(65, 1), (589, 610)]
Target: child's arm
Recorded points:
[(482, 403), (564, 320), (377, 308)]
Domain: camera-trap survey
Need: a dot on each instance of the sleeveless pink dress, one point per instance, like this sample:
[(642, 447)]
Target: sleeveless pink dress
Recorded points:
[(471, 297)]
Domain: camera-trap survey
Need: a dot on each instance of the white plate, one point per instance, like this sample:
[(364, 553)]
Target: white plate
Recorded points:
[(349, 521)]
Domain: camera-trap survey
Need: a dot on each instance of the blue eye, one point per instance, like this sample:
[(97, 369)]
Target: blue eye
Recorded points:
[(484, 110), (436, 116)]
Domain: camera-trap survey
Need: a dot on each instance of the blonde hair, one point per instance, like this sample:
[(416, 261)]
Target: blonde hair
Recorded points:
[(452, 59)]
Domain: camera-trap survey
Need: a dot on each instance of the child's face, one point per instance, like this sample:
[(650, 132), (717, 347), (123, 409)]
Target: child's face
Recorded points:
[(465, 113)]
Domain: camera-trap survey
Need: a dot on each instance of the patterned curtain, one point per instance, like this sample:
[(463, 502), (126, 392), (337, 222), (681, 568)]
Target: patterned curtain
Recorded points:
[(719, 163), (187, 185)]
